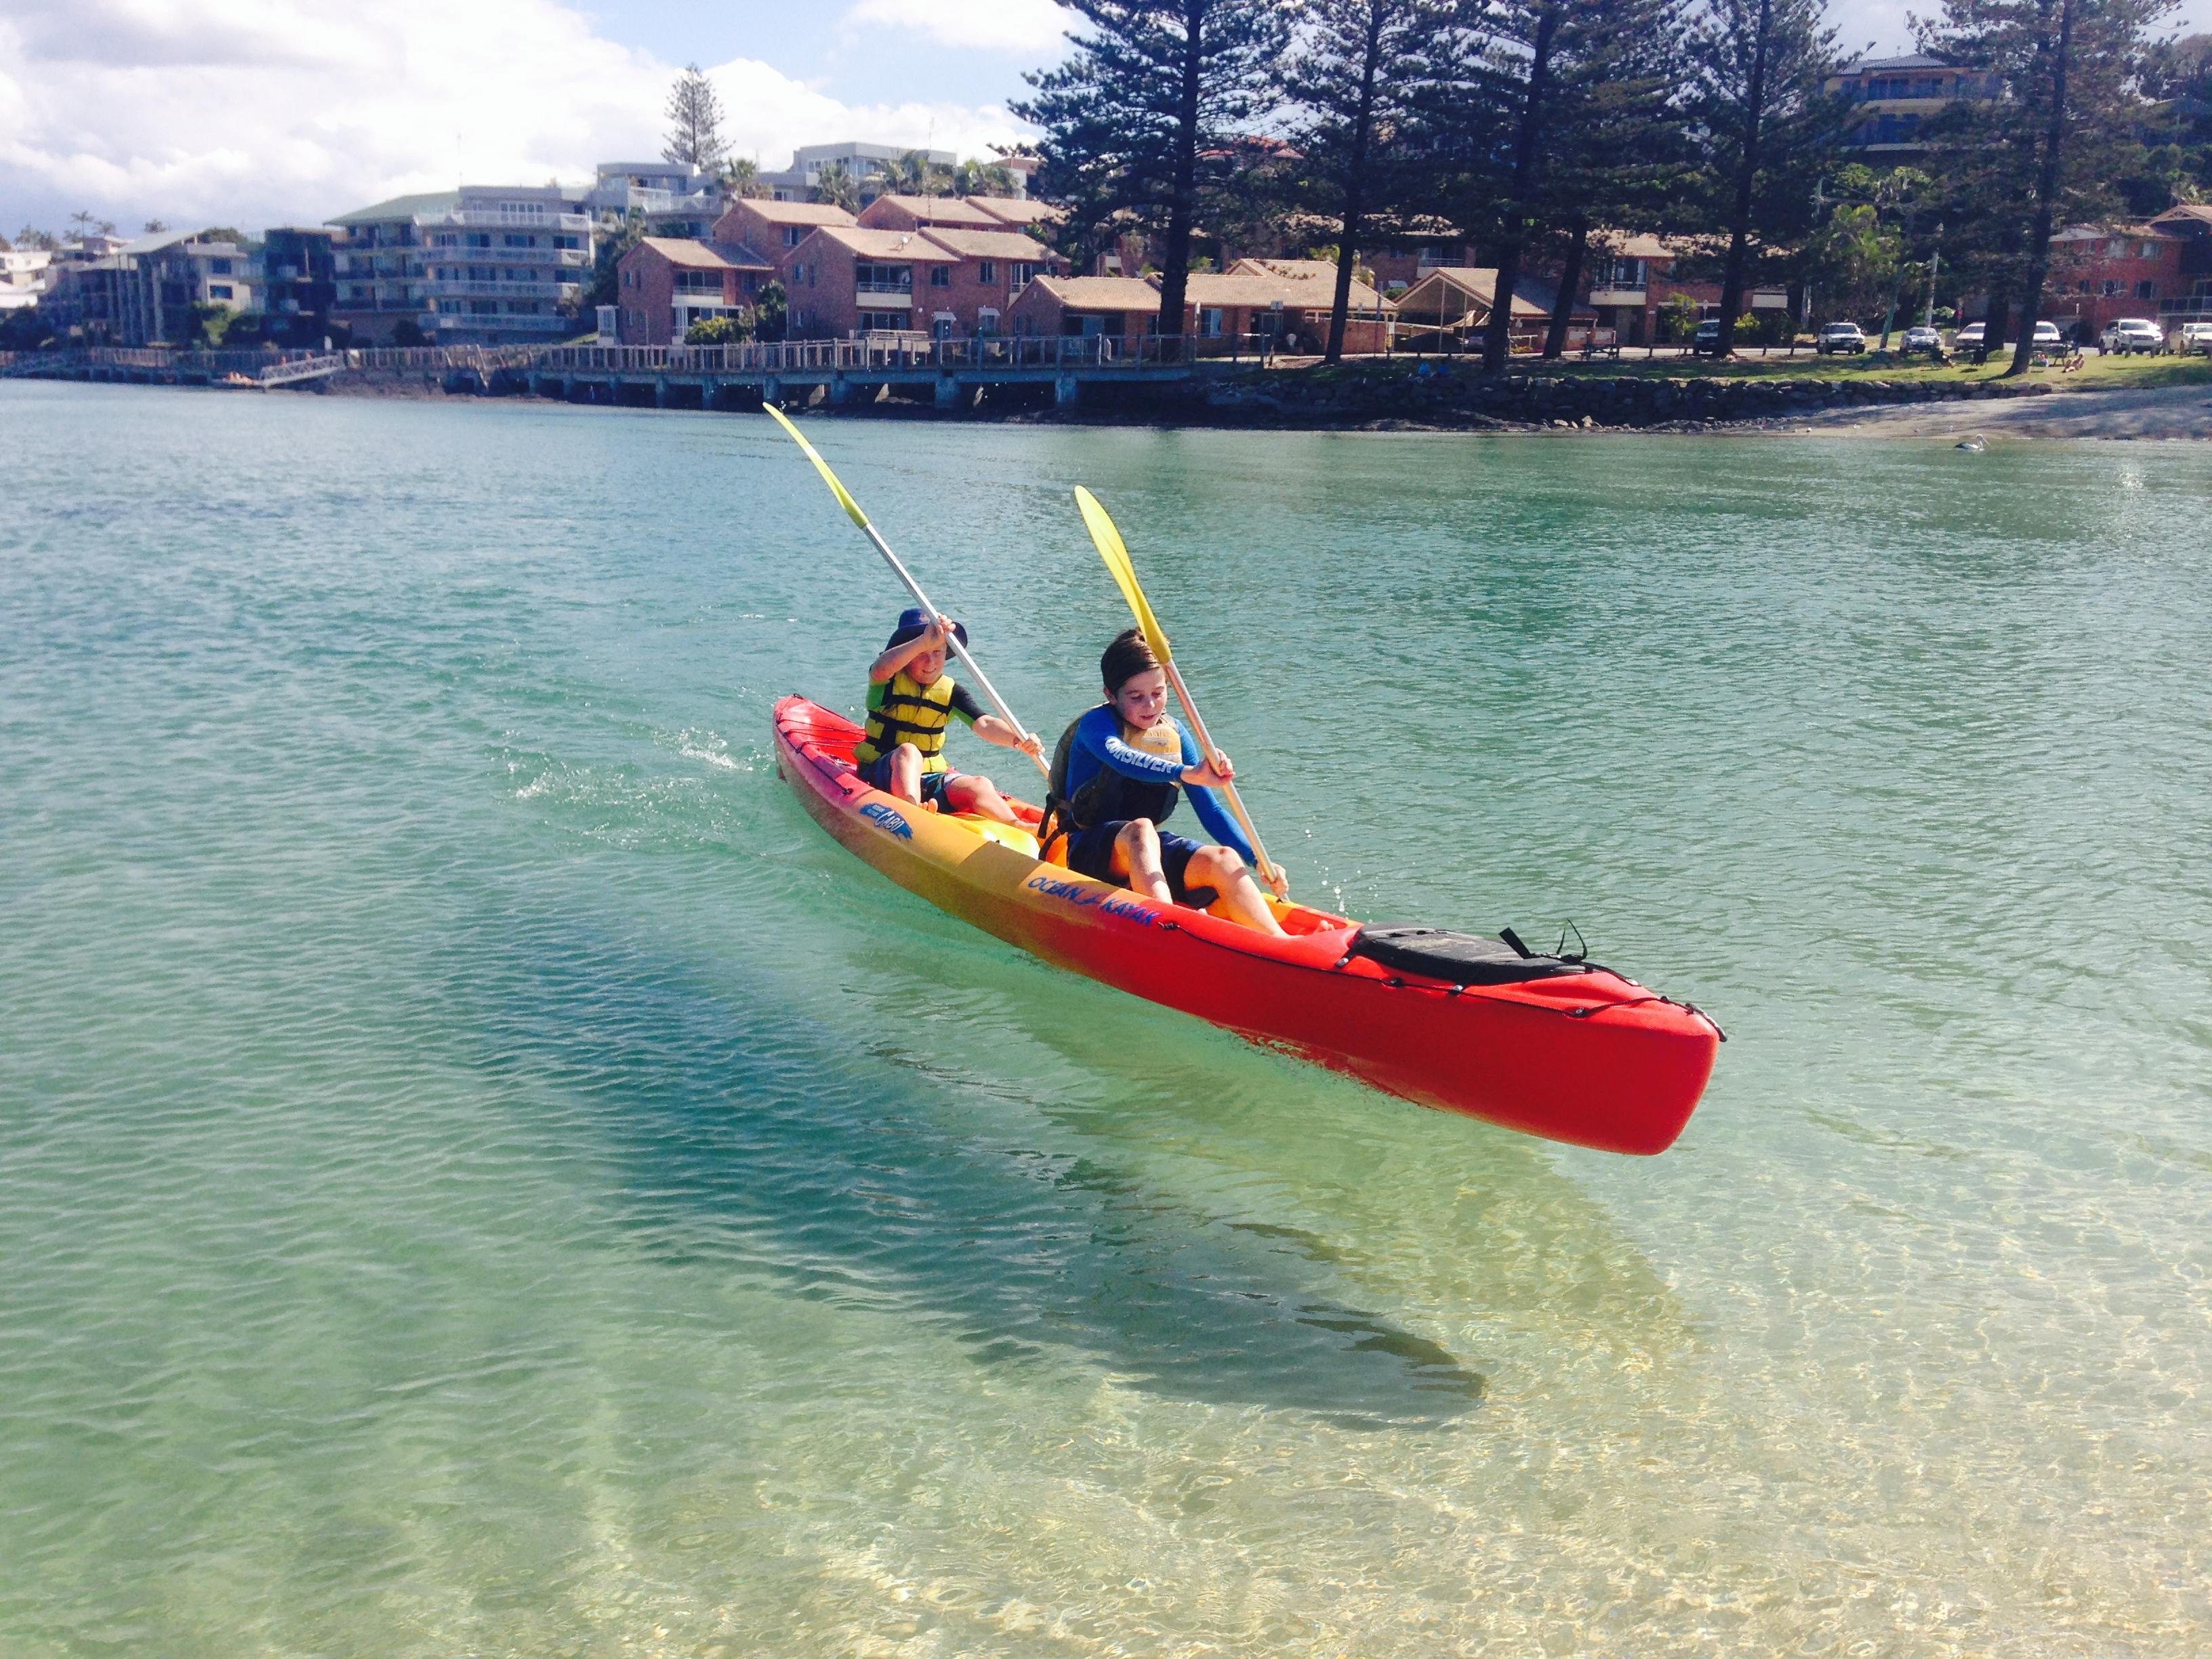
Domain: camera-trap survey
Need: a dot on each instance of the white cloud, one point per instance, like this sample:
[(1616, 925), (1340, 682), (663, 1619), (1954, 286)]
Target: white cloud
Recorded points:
[(1014, 26), (271, 112)]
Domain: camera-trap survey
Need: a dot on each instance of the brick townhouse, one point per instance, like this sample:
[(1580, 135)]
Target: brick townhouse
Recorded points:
[(846, 279), (664, 285), (772, 230), (2099, 274)]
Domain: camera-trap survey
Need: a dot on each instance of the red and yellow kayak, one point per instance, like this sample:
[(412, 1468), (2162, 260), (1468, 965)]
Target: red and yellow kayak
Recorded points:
[(1546, 1045)]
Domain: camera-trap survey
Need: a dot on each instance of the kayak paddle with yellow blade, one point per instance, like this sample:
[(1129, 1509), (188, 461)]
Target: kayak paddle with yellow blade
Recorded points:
[(1112, 549), (853, 509)]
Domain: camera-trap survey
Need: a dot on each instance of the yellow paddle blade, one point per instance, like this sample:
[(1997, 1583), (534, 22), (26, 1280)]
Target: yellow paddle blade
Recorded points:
[(820, 466), (1116, 555)]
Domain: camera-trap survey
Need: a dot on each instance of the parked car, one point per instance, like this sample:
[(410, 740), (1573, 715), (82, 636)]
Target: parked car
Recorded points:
[(2131, 334), (1840, 337), (1923, 339), (2196, 337), (2047, 338), (1707, 340)]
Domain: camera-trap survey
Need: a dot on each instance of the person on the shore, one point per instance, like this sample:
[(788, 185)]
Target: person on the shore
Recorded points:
[(1115, 777), (911, 702)]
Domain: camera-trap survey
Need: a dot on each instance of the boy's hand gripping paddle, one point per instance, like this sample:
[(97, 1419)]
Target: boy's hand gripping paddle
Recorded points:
[(952, 640), (1116, 555)]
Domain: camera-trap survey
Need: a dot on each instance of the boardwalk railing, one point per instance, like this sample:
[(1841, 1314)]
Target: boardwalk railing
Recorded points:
[(888, 350)]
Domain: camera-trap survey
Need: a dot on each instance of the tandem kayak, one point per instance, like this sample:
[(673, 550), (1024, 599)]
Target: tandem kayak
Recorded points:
[(1551, 1046)]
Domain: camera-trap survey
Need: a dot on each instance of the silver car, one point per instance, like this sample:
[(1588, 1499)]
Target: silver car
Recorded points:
[(1922, 339)]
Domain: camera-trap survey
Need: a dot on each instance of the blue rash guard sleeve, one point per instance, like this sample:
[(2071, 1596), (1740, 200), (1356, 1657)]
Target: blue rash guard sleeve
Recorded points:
[(1219, 822)]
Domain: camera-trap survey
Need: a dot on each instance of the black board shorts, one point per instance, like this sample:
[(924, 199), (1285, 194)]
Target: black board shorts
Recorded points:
[(1090, 853)]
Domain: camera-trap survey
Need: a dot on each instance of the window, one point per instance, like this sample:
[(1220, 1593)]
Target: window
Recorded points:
[(445, 238), (987, 270), (987, 321), (1209, 322), (2148, 250), (2146, 290), (752, 282), (794, 235), (522, 308), (882, 279), (2112, 288), (220, 267), (699, 282), (889, 320), (218, 290), (479, 238), (940, 276), (519, 241), (484, 308), (1024, 271)]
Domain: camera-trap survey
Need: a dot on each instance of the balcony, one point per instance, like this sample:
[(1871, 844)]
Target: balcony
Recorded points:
[(1619, 294), (482, 219), (449, 290), (890, 291)]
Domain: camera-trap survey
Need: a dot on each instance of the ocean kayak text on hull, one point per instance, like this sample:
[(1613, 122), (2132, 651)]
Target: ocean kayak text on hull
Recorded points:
[(1547, 1045)]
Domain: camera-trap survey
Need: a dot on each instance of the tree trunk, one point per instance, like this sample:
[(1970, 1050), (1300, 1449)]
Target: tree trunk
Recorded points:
[(2046, 196), (1746, 175), (1997, 318), (1355, 186), (1497, 336), (1174, 267), (1571, 280)]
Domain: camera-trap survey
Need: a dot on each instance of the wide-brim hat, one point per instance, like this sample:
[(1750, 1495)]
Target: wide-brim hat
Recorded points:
[(914, 623)]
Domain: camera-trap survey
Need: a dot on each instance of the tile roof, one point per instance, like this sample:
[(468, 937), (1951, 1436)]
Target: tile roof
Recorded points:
[(1126, 293), (936, 210), (1302, 284), (794, 213), (401, 207), (1018, 209), (883, 244), (695, 255), (996, 243), (1477, 281)]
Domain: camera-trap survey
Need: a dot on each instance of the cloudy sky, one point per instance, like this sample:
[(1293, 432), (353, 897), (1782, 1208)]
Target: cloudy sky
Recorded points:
[(256, 113)]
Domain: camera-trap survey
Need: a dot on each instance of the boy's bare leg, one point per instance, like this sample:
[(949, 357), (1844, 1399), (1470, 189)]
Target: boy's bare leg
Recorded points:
[(980, 796), (905, 774), (1137, 860), (1222, 869)]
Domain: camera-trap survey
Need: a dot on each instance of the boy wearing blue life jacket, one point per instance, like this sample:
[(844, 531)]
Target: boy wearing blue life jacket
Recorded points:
[(1117, 775), (911, 702)]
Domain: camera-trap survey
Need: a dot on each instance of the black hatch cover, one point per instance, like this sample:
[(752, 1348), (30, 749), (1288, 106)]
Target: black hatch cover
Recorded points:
[(1461, 959)]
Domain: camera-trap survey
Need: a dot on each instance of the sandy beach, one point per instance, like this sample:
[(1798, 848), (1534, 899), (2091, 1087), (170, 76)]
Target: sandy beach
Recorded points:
[(2170, 412)]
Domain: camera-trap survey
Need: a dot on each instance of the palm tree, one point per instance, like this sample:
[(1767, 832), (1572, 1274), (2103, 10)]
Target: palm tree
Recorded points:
[(974, 178), (836, 184), (741, 176)]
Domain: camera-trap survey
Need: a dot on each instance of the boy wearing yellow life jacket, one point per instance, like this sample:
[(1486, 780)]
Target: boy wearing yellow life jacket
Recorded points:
[(911, 702), (1116, 775)]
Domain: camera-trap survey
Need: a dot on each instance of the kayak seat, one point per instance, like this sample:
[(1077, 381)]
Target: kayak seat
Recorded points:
[(1460, 958)]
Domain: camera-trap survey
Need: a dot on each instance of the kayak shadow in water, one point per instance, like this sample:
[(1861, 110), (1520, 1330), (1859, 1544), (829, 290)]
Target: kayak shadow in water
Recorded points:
[(760, 1138)]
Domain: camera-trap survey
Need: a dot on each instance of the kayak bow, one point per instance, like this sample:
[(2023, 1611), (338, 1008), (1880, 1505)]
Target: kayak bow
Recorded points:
[(1550, 1045)]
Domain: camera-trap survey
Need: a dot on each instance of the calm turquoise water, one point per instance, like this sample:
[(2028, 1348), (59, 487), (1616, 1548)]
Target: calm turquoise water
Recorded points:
[(481, 1173)]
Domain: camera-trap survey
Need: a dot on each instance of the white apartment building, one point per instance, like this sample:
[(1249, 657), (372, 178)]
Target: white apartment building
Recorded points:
[(864, 161), (24, 275), (678, 201), (484, 263)]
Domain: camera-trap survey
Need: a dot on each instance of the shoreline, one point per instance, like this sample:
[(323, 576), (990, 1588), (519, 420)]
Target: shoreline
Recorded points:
[(1778, 405)]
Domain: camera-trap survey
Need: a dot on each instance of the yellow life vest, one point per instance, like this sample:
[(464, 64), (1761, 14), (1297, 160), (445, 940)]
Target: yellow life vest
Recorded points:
[(908, 712)]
